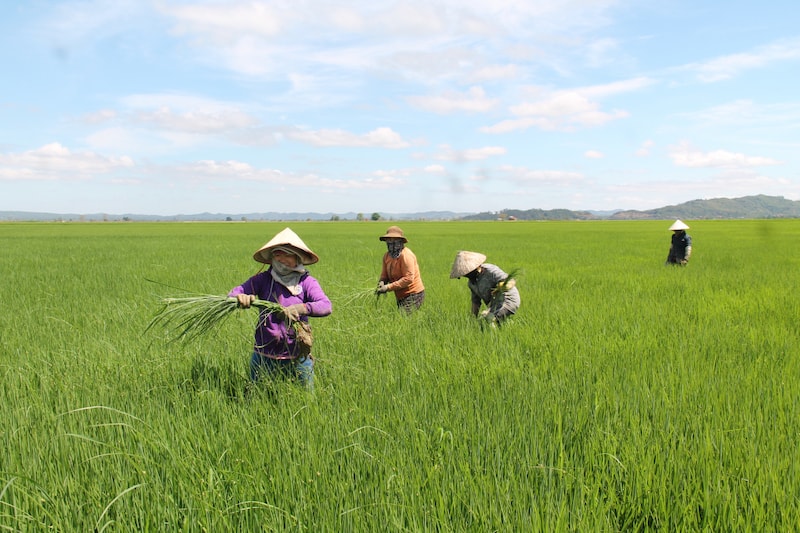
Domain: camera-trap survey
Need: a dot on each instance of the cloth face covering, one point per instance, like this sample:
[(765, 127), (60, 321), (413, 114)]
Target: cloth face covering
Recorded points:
[(287, 276), (394, 248)]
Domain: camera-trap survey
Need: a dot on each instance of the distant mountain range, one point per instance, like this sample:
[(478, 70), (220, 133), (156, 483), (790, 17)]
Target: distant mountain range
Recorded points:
[(716, 208), (217, 217), (746, 207)]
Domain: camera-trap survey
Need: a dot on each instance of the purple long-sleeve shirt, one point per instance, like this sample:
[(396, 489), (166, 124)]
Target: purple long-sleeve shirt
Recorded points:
[(273, 338)]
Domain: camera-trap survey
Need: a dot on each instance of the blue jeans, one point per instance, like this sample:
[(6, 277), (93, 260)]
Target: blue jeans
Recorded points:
[(300, 369)]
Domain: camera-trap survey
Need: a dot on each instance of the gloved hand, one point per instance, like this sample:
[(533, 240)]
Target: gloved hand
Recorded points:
[(293, 312), (504, 286), (244, 300), (382, 288)]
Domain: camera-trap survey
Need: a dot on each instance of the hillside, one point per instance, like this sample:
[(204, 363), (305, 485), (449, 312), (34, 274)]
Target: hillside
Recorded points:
[(719, 208), (534, 214), (760, 206), (28, 216)]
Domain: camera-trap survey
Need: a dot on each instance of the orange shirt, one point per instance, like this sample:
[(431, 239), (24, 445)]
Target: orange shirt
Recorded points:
[(402, 274)]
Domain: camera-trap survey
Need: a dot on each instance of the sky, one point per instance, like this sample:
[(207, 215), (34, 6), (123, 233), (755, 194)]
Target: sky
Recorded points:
[(166, 107)]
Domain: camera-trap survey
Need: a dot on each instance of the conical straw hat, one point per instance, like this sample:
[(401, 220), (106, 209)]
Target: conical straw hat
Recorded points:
[(289, 239), (678, 225), (465, 263)]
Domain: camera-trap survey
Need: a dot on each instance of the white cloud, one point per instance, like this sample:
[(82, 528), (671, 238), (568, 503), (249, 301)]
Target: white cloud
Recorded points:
[(601, 52), (223, 23), (683, 155), (233, 171), (181, 102), (511, 125), (567, 109), (377, 138), (744, 113), (474, 101), (195, 122), (98, 117), (564, 110), (644, 149), (527, 176), (616, 88), (409, 19), (114, 139), (56, 162), (448, 153), (407, 38), (429, 66), (727, 67), (729, 183), (71, 23), (305, 78), (493, 73)]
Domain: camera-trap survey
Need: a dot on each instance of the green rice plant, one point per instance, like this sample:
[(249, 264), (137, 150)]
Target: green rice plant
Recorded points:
[(360, 295), (188, 317), (644, 397), (505, 285)]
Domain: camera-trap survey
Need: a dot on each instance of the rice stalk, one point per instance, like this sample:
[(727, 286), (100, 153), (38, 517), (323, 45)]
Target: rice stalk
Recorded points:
[(505, 285), (360, 295), (189, 317)]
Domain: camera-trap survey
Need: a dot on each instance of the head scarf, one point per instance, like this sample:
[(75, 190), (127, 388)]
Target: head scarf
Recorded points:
[(395, 247), (287, 276)]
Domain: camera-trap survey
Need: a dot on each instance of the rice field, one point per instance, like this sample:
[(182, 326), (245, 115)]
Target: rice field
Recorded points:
[(624, 396)]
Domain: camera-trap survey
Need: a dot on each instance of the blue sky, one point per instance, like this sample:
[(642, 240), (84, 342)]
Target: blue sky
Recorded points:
[(172, 107)]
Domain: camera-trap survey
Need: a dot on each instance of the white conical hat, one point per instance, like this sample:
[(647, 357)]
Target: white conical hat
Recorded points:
[(678, 225), (465, 263), (286, 239)]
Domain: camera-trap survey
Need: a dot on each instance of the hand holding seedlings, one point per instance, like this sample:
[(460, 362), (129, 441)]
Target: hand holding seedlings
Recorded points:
[(293, 312), (245, 300)]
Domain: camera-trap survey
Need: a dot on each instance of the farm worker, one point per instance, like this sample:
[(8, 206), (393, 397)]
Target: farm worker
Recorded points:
[(400, 272), (680, 248), (488, 284), (280, 348)]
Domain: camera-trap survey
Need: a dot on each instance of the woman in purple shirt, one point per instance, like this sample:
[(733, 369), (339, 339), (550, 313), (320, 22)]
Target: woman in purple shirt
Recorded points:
[(276, 350)]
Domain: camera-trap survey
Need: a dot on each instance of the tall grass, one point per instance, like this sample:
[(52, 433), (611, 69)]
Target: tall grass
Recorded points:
[(625, 395)]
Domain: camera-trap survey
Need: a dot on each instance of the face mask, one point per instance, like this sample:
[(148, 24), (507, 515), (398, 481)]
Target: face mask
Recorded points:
[(280, 268), (394, 248), (285, 270)]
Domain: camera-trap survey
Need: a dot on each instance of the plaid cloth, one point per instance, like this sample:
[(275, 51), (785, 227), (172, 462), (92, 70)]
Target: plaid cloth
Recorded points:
[(412, 302)]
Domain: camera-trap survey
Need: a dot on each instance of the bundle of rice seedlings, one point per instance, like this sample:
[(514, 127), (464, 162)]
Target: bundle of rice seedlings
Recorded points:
[(505, 285), (188, 317), (359, 296), (362, 296)]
